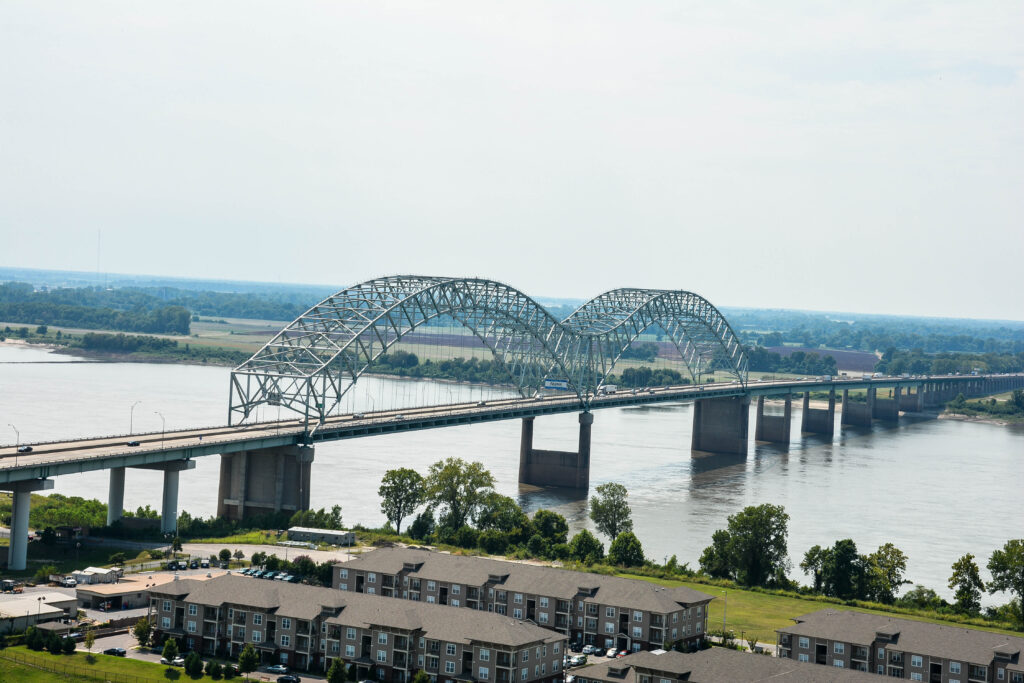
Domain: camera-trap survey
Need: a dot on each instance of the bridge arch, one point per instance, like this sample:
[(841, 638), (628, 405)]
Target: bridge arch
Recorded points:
[(309, 365)]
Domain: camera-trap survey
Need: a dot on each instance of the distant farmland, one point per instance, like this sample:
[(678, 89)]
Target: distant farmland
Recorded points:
[(861, 361)]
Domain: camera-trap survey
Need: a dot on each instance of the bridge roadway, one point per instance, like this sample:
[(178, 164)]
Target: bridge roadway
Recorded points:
[(57, 458)]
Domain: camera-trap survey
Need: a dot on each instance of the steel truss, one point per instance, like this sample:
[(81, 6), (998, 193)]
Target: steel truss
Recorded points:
[(310, 365)]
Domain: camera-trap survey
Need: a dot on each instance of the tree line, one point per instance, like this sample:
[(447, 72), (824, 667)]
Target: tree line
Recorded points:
[(919, 362), (989, 407), (761, 359)]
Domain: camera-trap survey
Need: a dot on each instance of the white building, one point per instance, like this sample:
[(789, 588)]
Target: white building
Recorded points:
[(334, 537)]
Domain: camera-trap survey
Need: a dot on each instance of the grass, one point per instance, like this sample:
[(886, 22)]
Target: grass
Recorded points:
[(84, 667), (248, 538), (12, 672), (762, 613)]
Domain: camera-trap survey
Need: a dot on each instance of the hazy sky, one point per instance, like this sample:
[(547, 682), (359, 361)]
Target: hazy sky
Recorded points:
[(824, 155)]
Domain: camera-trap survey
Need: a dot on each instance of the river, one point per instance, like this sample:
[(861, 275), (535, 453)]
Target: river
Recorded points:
[(935, 488)]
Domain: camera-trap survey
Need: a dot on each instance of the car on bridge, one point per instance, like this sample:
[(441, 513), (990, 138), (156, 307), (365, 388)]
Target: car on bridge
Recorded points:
[(24, 449)]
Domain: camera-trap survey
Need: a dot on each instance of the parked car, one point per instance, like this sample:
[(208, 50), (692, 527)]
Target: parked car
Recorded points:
[(612, 652), (177, 661), (622, 653), (205, 564), (575, 647), (589, 650), (194, 564), (277, 669), (289, 678), (115, 651)]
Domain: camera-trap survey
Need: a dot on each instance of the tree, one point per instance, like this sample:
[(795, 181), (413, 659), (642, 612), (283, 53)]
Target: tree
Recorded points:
[(1007, 568), (921, 597), (814, 560), (170, 650), (584, 547), (224, 555), (336, 674), (401, 492), (117, 558), (752, 550), (176, 544), (626, 550), (54, 644), (67, 645), (248, 660), (34, 639), (609, 510), (239, 555), (459, 487), (886, 566), (142, 631), (213, 669), (843, 571), (423, 525), (967, 584), (193, 664), (421, 677), (551, 525), (90, 640), (501, 513)]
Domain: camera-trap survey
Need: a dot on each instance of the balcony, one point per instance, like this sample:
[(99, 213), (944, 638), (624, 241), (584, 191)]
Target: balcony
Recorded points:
[(504, 659), (563, 606), (302, 628), (657, 621), (655, 635), (401, 643), (211, 614)]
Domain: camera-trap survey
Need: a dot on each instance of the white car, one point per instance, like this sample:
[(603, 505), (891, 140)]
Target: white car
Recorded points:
[(177, 661), (612, 652), (277, 669)]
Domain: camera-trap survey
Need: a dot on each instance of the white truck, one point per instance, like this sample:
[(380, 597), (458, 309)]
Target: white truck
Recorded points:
[(65, 581), (608, 389)]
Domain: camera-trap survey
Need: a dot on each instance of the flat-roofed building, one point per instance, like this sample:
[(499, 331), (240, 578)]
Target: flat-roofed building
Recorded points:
[(307, 627), (91, 575), (332, 536), (606, 611), (18, 612), (902, 648), (715, 665), (131, 592)]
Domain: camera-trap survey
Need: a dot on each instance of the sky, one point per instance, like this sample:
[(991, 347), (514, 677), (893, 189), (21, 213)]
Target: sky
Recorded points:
[(854, 156)]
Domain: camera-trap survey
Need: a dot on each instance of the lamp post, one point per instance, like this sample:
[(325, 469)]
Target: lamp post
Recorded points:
[(39, 606), (131, 418), (17, 442), (163, 426), (725, 611)]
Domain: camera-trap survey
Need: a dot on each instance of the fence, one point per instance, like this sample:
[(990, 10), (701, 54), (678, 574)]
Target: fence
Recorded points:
[(41, 663)]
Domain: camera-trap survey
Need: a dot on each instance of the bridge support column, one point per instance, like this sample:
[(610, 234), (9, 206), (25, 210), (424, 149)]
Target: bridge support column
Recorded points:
[(115, 495), (819, 420), (857, 413), (773, 428), (720, 425), (912, 402), (887, 408), (17, 552), (264, 480), (169, 500), (556, 468)]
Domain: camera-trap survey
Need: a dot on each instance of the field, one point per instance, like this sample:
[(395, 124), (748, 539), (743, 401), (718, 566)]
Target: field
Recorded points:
[(42, 666), (858, 361)]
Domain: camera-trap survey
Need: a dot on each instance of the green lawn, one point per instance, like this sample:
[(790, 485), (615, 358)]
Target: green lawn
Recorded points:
[(12, 672), (83, 667), (762, 613)]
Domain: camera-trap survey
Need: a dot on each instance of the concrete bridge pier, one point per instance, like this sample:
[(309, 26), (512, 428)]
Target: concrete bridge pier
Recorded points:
[(555, 468), (721, 425), (17, 551), (887, 408), (912, 402), (169, 499), (264, 480), (773, 428), (819, 420), (115, 495), (858, 413)]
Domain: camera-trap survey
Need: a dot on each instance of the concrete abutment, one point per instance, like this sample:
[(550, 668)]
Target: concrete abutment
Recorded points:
[(819, 420), (720, 425), (556, 468), (264, 480), (773, 428)]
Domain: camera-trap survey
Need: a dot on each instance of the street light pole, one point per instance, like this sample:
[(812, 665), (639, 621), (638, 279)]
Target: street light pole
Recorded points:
[(163, 426), (131, 418), (17, 442), (725, 611)]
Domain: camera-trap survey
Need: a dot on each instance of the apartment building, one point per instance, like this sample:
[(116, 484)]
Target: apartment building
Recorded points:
[(901, 648), (308, 627), (715, 665), (605, 611)]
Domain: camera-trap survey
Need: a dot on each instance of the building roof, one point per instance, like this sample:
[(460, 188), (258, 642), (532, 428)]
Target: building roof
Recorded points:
[(136, 583), (917, 637), (528, 578), (349, 609), (718, 665), (311, 530), (18, 605)]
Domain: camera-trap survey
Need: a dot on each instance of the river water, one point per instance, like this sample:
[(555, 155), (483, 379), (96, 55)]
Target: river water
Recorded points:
[(935, 488)]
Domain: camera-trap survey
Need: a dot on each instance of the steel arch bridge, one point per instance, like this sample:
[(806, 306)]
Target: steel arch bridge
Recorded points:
[(310, 364)]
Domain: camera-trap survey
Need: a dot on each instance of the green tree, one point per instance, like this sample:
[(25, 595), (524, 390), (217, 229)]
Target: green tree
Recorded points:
[(501, 513), (336, 674), (626, 550), (609, 510), (142, 631), (224, 555), (1007, 568), (584, 547), (921, 597), (170, 650), (886, 565), (117, 558), (248, 660), (401, 491), (176, 544), (551, 525), (459, 488), (54, 644), (34, 639), (213, 669), (421, 677), (90, 640), (966, 581), (537, 546), (754, 547), (715, 560), (67, 645), (423, 525), (843, 571), (814, 560), (193, 664)]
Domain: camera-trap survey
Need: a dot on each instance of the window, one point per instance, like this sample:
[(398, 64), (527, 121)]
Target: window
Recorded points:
[(335, 647), (191, 627), (382, 656), (609, 627), (485, 655), (500, 609), (699, 628), (526, 655), (700, 610), (543, 602), (881, 654), (455, 603), (638, 616), (257, 637), (430, 599), (954, 667), (522, 674), (286, 623), (371, 591), (916, 661), (557, 648), (804, 643), (286, 641), (449, 667), (675, 632), (167, 605), (803, 657), (838, 663), (231, 613), (382, 638), (344, 574), (1000, 674), (431, 585), (881, 669), (675, 617), (343, 586), (371, 578), (638, 632), (483, 673), (517, 613), (192, 610), (978, 672), (350, 633), (839, 648), (165, 622), (542, 618), (257, 619), (916, 676), (350, 650), (456, 588), (609, 611), (518, 598)]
